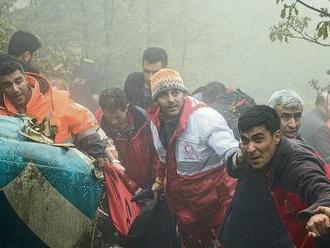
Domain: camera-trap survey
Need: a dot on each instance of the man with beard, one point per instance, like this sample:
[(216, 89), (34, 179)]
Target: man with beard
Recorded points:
[(192, 141), (280, 184), (129, 127), (33, 96)]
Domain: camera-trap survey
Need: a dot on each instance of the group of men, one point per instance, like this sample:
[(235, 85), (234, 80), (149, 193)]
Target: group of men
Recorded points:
[(282, 182), (271, 189)]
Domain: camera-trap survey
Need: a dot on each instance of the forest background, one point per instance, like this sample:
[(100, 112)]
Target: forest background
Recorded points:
[(237, 43)]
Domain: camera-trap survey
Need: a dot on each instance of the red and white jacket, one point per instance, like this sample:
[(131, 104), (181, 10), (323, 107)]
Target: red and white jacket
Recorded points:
[(196, 182)]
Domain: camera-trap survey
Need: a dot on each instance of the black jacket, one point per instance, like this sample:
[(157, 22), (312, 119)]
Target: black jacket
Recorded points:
[(136, 91), (295, 178), (252, 220)]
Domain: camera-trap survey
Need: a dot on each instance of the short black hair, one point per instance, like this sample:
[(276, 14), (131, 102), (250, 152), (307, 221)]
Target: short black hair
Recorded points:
[(113, 99), (9, 64), (21, 42), (259, 115), (154, 55)]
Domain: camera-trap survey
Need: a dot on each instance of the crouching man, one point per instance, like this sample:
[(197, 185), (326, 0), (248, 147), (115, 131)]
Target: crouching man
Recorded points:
[(192, 142), (128, 126), (280, 184)]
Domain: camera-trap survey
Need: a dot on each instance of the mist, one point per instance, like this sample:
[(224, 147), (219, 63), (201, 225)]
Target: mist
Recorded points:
[(206, 40)]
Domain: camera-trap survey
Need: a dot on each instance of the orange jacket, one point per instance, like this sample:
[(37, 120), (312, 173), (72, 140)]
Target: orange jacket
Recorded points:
[(69, 117)]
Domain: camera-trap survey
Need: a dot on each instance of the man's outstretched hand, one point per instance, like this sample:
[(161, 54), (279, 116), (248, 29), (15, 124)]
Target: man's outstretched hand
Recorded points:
[(318, 224)]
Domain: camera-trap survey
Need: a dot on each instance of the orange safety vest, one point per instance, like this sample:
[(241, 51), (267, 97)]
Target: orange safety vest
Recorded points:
[(68, 117)]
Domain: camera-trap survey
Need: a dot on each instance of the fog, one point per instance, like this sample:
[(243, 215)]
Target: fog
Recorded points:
[(206, 41)]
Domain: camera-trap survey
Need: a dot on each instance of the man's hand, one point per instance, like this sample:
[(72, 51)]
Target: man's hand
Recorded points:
[(157, 187), (318, 225), (240, 158), (116, 164)]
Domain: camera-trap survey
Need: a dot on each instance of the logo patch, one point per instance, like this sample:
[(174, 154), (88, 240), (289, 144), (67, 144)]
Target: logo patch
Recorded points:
[(187, 152)]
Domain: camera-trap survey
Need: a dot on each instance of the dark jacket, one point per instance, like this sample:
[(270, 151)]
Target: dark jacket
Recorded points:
[(252, 220), (296, 180), (316, 133), (136, 91)]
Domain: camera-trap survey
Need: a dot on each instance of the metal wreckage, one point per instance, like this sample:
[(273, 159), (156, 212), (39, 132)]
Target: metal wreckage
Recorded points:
[(48, 194)]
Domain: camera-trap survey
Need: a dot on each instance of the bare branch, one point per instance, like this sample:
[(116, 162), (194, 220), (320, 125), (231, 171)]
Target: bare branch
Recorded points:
[(305, 36), (309, 40), (321, 11)]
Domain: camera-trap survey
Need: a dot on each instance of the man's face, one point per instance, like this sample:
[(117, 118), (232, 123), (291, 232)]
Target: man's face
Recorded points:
[(150, 69), (15, 87), (117, 119), (290, 121), (170, 103), (259, 145)]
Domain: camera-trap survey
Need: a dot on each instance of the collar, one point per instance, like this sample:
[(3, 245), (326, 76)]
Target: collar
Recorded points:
[(37, 96), (189, 106), (280, 159)]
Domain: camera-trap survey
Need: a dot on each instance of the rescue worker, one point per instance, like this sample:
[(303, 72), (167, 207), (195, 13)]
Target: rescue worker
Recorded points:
[(137, 84), (33, 96), (24, 46), (128, 126), (192, 142), (279, 181)]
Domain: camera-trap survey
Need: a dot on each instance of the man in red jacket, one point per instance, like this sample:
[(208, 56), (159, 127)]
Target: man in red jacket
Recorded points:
[(128, 126), (192, 141)]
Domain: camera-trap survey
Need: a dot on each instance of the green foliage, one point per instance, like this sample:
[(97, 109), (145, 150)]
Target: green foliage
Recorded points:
[(323, 29), (6, 30), (7, 27), (289, 28)]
